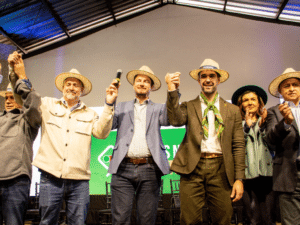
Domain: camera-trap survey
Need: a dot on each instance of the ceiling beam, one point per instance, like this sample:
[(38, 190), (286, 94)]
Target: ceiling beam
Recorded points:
[(281, 9), (225, 4), (61, 23), (12, 40), (109, 6)]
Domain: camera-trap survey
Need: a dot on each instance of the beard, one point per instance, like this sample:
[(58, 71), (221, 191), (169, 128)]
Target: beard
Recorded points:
[(71, 96)]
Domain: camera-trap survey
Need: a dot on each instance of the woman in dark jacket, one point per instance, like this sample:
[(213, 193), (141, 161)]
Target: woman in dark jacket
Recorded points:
[(258, 198)]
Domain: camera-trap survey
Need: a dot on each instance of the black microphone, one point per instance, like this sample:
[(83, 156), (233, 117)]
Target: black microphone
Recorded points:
[(118, 77)]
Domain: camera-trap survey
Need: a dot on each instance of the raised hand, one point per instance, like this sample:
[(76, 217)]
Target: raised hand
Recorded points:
[(16, 62), (263, 117), (112, 92), (173, 80), (286, 112)]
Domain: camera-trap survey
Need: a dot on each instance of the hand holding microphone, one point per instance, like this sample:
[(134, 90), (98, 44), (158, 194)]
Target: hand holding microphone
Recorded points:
[(112, 90)]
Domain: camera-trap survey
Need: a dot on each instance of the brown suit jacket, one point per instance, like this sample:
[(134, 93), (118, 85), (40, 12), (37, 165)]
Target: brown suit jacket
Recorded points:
[(232, 138)]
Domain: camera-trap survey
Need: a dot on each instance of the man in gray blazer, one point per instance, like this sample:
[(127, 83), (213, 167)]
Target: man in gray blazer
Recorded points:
[(139, 158), (283, 123)]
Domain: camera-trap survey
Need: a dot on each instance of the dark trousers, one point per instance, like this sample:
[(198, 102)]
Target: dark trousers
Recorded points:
[(290, 205), (140, 181), (207, 183), (259, 201), (14, 195)]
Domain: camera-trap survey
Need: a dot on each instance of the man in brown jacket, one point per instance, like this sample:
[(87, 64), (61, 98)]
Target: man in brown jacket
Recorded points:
[(211, 157)]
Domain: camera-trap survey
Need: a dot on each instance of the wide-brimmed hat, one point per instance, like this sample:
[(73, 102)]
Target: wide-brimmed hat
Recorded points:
[(9, 89), (87, 85), (209, 64), (253, 88), (144, 70), (274, 85)]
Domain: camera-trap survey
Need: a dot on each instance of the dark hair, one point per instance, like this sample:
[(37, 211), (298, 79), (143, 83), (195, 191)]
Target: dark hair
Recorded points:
[(260, 101), (152, 83)]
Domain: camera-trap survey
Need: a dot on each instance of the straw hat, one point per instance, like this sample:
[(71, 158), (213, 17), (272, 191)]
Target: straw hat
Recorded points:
[(209, 64), (274, 85), (9, 89), (87, 85), (258, 90), (144, 70)]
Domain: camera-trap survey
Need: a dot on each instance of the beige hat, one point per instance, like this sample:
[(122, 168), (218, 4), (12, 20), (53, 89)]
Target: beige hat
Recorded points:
[(274, 85), (87, 85), (209, 64), (144, 70), (9, 89)]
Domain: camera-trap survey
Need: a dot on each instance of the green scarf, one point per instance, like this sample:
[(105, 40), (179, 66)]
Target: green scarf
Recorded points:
[(219, 126)]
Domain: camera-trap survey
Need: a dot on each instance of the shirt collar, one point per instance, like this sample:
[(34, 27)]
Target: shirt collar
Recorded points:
[(292, 105), (136, 101), (79, 105), (202, 101)]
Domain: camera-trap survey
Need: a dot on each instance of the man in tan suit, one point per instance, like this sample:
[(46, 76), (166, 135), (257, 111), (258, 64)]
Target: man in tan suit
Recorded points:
[(211, 157)]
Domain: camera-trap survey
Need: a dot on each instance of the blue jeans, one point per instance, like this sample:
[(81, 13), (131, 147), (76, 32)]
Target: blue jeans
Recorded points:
[(52, 192), (141, 181), (14, 195)]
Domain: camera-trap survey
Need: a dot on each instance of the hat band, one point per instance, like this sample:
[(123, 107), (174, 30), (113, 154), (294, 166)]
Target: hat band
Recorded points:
[(208, 67), (9, 90)]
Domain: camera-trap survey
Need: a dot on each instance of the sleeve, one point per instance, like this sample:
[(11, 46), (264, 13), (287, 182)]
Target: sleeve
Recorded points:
[(238, 147), (177, 113), (163, 116), (103, 124), (31, 103), (275, 129)]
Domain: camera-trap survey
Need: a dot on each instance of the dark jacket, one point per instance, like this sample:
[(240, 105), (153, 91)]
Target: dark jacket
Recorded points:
[(286, 143), (232, 138), (18, 129)]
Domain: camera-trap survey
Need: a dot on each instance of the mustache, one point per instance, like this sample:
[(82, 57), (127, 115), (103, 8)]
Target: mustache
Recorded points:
[(71, 92)]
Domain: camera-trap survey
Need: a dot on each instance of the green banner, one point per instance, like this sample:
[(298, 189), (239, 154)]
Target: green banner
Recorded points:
[(101, 151)]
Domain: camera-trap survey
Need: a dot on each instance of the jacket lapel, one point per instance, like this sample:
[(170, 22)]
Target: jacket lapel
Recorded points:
[(149, 113), (223, 111), (131, 110)]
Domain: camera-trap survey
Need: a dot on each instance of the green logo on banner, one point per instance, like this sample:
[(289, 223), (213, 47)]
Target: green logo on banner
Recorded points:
[(101, 151)]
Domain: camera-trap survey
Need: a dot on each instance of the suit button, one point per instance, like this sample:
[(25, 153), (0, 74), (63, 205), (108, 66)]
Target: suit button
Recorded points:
[(201, 133), (268, 164), (127, 145), (66, 144), (68, 131), (131, 130), (69, 117), (65, 159)]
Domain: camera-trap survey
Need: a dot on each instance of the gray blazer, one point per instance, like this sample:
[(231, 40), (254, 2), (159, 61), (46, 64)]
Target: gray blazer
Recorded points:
[(286, 144), (156, 116)]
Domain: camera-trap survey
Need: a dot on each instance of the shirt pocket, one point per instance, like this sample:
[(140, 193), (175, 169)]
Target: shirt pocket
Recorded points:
[(84, 123), (11, 128), (56, 118)]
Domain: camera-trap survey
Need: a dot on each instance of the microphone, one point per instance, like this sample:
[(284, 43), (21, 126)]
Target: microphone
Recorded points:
[(118, 77)]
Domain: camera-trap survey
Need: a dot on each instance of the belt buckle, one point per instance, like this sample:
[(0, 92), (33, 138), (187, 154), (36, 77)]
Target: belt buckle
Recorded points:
[(135, 161)]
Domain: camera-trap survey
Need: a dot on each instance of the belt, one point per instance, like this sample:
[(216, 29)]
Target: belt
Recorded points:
[(207, 155), (138, 161)]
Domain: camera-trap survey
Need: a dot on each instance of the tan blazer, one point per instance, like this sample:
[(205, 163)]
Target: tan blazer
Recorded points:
[(232, 138)]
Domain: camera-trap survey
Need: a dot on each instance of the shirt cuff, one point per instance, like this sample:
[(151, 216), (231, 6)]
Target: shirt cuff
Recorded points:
[(286, 126), (28, 83), (109, 103)]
